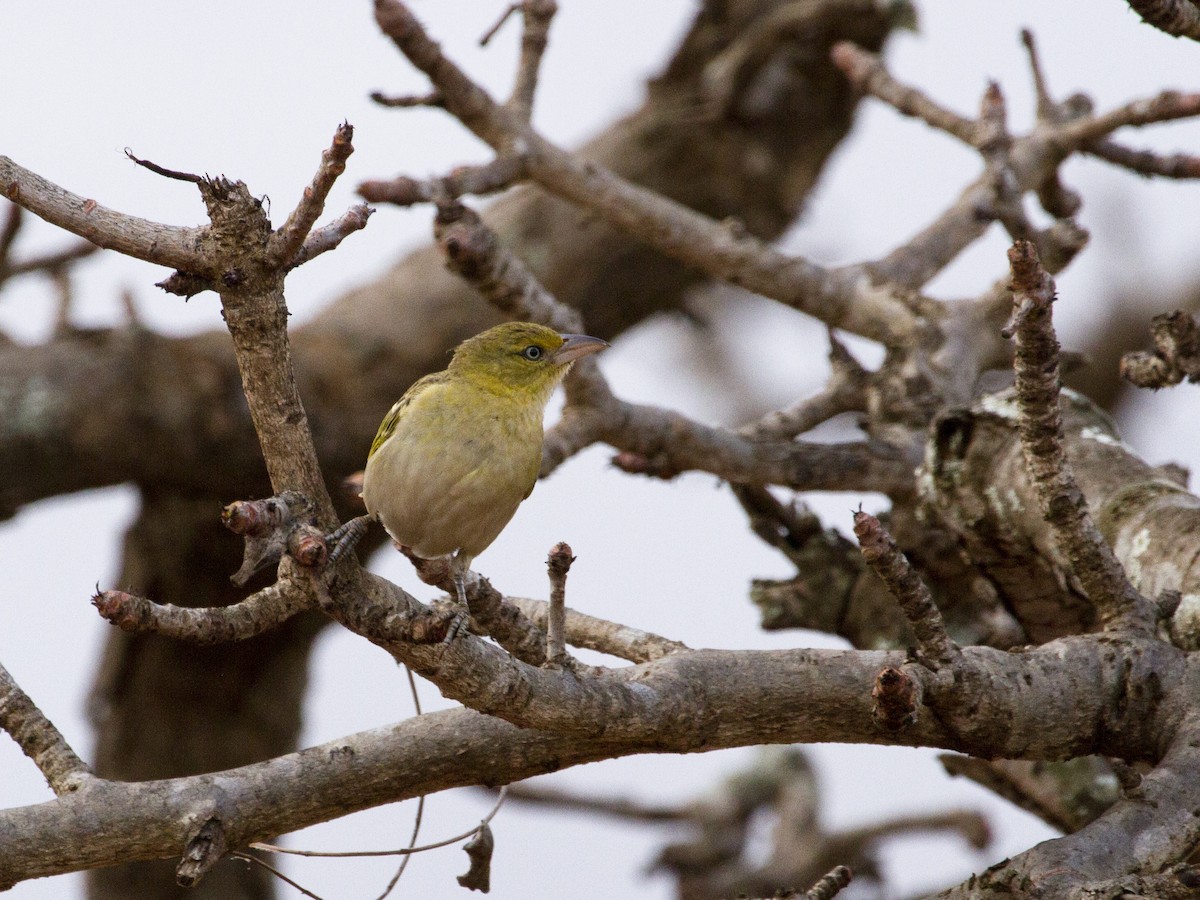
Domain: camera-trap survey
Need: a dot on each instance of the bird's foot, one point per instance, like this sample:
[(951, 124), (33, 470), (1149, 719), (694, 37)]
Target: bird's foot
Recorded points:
[(345, 538), (459, 624)]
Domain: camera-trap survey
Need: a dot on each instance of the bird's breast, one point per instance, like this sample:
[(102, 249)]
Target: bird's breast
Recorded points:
[(453, 473)]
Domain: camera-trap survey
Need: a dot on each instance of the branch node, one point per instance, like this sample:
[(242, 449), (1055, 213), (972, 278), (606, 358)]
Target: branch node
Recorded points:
[(895, 695), (203, 851), (1176, 354), (269, 527)]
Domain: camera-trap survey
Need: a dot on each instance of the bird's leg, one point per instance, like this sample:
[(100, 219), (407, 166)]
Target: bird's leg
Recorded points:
[(345, 538), (459, 566)]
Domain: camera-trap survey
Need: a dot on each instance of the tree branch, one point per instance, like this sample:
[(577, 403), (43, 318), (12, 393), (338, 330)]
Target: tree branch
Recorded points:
[(39, 739), (1062, 503)]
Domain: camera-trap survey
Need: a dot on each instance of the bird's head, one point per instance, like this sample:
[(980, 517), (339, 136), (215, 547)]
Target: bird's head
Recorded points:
[(521, 357)]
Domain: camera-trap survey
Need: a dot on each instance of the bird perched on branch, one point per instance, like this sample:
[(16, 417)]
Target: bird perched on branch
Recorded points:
[(456, 455)]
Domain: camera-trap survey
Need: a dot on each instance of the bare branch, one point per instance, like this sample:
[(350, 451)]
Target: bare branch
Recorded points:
[(846, 299), (867, 73), (1063, 504), (935, 648), (165, 245), (39, 740), (1164, 107), (1176, 353), (558, 564), (328, 237), (1180, 18), (286, 242), (1046, 107), (613, 638), (172, 174), (846, 391), (537, 15), (408, 101), (500, 174), (1146, 162), (681, 703), (53, 263), (257, 614), (474, 252)]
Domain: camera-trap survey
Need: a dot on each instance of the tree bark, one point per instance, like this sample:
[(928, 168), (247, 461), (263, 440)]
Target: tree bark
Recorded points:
[(97, 408)]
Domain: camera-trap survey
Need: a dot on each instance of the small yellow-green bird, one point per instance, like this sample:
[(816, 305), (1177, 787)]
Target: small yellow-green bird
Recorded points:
[(456, 455)]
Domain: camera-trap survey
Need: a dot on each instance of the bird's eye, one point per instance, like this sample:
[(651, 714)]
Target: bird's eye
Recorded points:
[(532, 352)]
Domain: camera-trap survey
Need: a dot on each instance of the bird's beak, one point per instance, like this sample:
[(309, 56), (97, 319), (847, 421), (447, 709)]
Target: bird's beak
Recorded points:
[(575, 346)]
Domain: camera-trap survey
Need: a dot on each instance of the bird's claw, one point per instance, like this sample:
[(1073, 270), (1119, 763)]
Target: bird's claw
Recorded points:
[(344, 539), (459, 624)]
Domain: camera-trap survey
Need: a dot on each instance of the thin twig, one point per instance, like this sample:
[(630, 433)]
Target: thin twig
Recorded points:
[(603, 636), (866, 71), (173, 174), (250, 857), (408, 101), (466, 835), (500, 174), (1146, 162), (328, 237), (412, 841), (537, 15), (935, 647), (486, 37), (286, 242), (1045, 103), (558, 564), (1163, 107), (846, 391)]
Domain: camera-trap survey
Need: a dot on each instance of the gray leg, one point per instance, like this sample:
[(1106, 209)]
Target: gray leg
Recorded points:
[(459, 566)]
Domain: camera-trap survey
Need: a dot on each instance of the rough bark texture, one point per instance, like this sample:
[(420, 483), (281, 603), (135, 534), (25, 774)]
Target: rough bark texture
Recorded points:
[(752, 152)]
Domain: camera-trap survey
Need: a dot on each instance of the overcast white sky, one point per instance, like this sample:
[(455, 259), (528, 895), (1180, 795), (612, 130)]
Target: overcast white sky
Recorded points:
[(254, 91)]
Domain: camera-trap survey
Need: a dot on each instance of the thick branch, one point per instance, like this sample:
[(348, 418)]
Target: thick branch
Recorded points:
[(705, 700), (1144, 834), (164, 245)]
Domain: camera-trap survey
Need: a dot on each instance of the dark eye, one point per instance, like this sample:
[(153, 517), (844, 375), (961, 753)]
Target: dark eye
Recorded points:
[(532, 352)]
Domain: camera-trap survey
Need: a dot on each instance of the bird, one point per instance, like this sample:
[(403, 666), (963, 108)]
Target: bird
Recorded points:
[(458, 453)]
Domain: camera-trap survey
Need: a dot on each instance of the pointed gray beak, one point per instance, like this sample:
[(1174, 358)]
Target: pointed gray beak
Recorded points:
[(575, 346)]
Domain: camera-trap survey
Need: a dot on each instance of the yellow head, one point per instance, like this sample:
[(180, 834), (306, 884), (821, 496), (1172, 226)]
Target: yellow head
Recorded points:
[(520, 357)]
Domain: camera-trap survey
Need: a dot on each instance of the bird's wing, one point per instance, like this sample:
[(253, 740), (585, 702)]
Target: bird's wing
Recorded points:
[(388, 426)]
